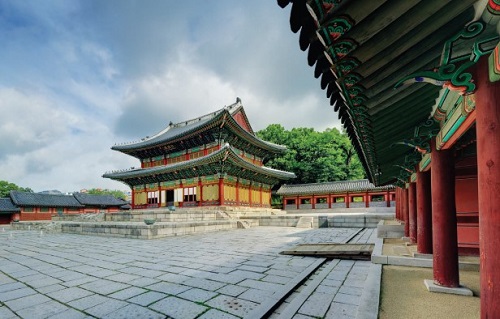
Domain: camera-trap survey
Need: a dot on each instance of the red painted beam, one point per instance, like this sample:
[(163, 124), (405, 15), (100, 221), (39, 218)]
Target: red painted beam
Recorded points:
[(444, 218), (488, 168)]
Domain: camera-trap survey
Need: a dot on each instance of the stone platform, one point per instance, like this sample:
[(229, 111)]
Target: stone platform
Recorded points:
[(184, 221)]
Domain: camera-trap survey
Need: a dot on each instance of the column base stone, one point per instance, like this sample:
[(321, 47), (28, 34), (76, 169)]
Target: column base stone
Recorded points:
[(432, 287)]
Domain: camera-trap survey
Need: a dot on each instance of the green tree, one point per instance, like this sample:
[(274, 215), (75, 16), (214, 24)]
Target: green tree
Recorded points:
[(314, 156), (6, 187), (114, 192)]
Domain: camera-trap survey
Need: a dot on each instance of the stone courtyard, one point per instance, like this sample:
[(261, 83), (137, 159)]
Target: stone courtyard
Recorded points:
[(229, 274)]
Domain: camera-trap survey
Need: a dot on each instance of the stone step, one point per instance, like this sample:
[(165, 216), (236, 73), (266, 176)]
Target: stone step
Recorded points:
[(243, 224), (305, 222)]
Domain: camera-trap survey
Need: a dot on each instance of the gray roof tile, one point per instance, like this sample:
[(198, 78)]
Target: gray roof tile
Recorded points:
[(43, 200), (7, 206), (180, 129), (98, 200), (331, 187)]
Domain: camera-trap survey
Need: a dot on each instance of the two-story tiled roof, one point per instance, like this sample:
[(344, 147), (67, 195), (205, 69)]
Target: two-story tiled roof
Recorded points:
[(24, 199), (361, 185), (200, 128), (98, 200), (7, 206)]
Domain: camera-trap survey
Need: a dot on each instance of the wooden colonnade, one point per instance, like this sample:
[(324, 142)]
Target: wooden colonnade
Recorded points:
[(427, 204)]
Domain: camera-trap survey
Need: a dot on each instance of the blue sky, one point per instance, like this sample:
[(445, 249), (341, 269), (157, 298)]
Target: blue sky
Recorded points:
[(76, 77)]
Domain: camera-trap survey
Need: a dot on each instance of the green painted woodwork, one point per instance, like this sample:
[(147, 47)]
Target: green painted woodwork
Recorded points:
[(453, 68), (424, 163), (319, 9), (413, 177), (391, 41), (169, 184), (211, 178), (222, 162), (459, 109), (494, 64), (334, 29)]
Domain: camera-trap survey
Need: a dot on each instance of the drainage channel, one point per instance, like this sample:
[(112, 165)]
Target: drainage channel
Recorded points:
[(316, 269)]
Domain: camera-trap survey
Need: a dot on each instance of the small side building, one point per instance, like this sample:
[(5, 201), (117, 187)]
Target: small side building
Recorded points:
[(8, 211), (99, 203), (35, 206), (24, 206), (340, 194)]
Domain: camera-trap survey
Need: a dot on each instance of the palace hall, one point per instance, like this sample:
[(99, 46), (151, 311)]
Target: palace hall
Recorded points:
[(212, 160)]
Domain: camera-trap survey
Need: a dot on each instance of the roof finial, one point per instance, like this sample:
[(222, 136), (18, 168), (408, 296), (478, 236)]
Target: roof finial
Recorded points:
[(238, 100)]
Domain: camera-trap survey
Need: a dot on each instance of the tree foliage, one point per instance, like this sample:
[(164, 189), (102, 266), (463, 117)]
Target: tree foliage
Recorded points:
[(314, 156), (6, 187), (114, 192)]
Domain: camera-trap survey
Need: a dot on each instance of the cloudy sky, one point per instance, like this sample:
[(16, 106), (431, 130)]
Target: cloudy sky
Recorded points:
[(76, 77)]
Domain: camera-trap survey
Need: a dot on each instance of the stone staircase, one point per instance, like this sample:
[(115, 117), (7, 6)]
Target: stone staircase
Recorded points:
[(243, 224), (305, 222)]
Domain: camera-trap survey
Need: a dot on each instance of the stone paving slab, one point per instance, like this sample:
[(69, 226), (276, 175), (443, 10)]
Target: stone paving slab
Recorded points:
[(178, 308), (214, 275)]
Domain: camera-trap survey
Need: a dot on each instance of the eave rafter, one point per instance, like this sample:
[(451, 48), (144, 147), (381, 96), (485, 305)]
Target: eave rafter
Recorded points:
[(361, 49)]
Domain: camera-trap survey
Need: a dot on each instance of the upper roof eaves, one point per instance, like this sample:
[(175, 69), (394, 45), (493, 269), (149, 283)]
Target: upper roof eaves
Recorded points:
[(217, 155), (177, 130)]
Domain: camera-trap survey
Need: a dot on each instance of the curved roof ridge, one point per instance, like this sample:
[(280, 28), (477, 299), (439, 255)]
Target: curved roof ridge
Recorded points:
[(230, 108), (255, 137)]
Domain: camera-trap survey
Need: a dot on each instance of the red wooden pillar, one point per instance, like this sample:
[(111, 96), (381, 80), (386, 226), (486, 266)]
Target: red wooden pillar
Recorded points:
[(159, 194), (238, 194), (444, 218), (347, 200), (221, 191), (397, 203), (260, 191), (297, 202), (367, 199), (200, 186), (388, 198), (404, 210), (133, 197), (488, 169), (424, 213), (329, 199), (412, 211), (313, 202)]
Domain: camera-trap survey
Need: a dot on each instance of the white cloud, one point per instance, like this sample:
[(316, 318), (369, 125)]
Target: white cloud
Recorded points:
[(77, 77), (44, 146)]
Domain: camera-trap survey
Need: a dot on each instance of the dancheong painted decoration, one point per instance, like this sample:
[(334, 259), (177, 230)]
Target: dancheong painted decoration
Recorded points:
[(215, 159)]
